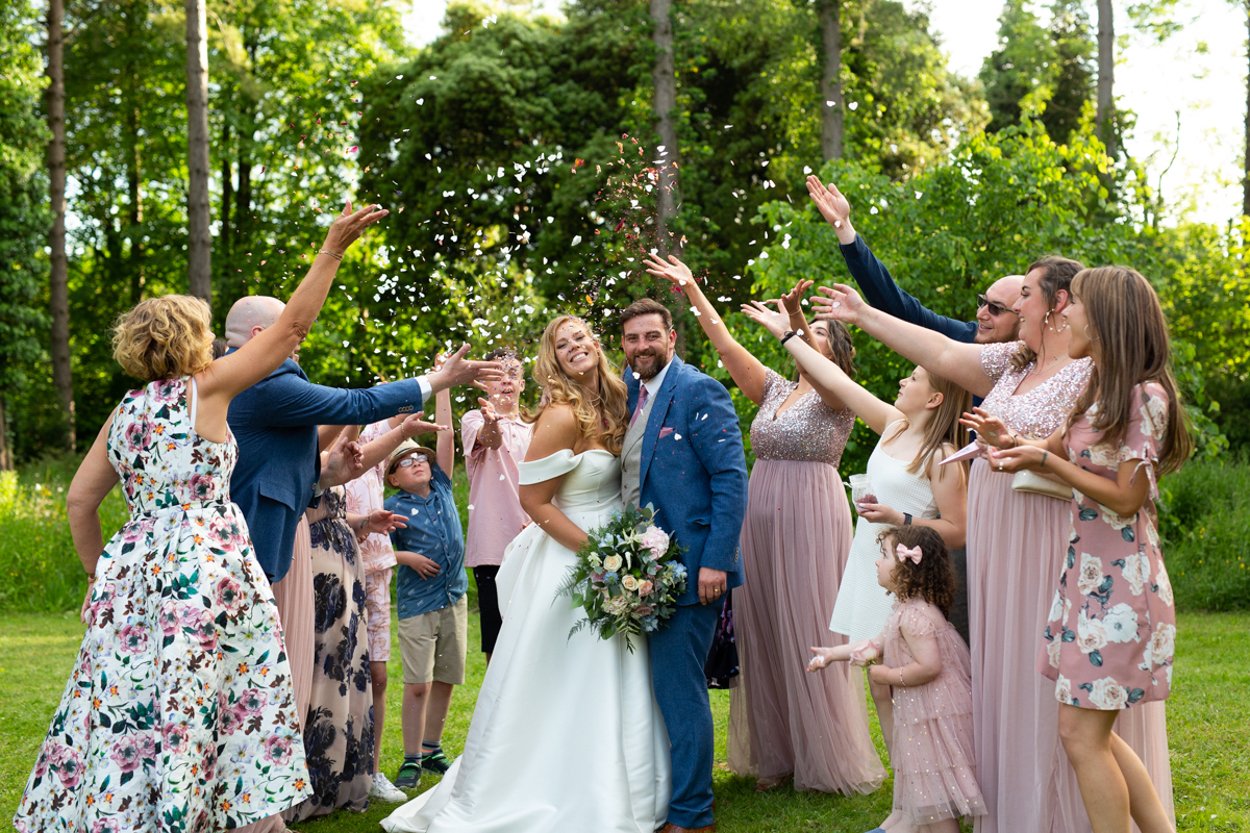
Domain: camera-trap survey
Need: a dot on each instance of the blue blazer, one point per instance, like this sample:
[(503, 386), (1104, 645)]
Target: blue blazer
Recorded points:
[(275, 423), (693, 470)]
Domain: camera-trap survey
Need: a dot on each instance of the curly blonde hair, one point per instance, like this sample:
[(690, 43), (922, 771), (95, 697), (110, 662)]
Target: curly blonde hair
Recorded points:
[(605, 419), (164, 338)]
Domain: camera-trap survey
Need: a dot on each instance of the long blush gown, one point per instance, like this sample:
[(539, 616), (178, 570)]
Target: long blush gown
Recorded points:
[(795, 544), (1016, 545)]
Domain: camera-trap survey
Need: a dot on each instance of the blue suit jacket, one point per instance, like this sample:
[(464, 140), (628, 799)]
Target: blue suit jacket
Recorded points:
[(881, 292), (695, 475), (275, 423)]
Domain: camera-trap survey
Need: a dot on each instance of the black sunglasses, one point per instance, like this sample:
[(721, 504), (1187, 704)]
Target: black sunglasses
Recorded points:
[(994, 307)]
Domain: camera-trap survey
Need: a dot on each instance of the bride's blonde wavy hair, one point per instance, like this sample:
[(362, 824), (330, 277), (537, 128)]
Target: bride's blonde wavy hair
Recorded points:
[(604, 420)]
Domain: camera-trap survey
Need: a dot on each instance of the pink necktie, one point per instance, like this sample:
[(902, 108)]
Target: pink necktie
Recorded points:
[(642, 402)]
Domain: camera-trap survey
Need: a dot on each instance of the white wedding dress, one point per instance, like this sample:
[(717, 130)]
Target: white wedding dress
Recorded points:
[(566, 736)]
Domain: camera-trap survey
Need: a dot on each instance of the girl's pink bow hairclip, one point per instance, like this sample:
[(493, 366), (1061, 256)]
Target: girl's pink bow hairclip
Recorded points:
[(904, 553)]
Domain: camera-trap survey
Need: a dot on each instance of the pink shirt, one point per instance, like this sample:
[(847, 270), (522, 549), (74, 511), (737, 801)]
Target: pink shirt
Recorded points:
[(495, 513), (364, 495)]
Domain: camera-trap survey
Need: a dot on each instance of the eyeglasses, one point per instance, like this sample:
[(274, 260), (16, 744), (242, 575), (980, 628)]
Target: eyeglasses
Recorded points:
[(994, 307), (412, 460)]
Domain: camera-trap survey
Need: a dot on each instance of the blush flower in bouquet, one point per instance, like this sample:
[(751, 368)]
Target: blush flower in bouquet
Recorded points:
[(627, 577)]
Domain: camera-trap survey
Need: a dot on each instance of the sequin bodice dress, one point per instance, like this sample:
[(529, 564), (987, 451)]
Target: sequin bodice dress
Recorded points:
[(795, 543)]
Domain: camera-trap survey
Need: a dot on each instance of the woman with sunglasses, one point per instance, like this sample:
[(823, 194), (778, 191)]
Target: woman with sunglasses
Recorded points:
[(1015, 541)]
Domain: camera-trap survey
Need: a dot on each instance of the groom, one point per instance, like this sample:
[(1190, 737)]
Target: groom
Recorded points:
[(683, 456)]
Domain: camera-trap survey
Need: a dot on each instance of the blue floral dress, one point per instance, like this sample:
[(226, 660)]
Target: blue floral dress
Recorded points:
[(179, 713)]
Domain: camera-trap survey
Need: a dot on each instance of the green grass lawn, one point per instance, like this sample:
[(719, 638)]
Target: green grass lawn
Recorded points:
[(1208, 728)]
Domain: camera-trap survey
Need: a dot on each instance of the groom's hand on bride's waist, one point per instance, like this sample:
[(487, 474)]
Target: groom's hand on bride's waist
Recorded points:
[(712, 585)]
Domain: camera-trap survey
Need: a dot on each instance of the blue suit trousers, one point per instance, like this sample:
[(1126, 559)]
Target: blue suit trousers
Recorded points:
[(678, 653)]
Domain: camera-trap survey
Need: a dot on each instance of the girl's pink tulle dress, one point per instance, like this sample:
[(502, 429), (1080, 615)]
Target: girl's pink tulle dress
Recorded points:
[(934, 774)]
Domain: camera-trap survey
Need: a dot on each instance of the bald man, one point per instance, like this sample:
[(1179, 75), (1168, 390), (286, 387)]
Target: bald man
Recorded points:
[(275, 423)]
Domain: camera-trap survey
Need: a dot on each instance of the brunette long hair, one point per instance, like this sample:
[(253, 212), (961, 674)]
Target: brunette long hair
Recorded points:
[(1129, 341)]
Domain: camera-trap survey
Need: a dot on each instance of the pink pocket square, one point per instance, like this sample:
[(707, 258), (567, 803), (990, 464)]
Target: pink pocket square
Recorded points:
[(665, 431)]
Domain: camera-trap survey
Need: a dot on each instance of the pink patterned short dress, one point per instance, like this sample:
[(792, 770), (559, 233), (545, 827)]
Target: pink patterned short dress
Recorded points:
[(934, 777), (179, 713), (1109, 640)]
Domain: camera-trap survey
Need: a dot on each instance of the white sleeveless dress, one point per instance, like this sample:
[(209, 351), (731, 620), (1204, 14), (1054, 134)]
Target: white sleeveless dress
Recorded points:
[(863, 605), (566, 735)]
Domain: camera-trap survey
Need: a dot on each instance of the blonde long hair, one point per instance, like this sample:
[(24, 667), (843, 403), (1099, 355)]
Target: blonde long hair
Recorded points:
[(1129, 337), (603, 418)]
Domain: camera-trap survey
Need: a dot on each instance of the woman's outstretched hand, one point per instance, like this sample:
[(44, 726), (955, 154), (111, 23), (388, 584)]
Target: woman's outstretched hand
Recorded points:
[(671, 270), (774, 320), (349, 225), (792, 301), (830, 202), (990, 429), (839, 302)]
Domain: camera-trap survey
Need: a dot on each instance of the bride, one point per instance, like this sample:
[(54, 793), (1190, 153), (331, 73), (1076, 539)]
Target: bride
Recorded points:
[(566, 735)]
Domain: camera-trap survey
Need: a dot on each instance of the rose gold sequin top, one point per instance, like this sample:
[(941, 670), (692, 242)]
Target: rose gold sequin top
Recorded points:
[(807, 430), (1040, 411)]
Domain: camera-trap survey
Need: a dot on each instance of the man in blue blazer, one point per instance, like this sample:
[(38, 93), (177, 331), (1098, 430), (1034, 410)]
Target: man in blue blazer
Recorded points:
[(275, 424), (683, 456)]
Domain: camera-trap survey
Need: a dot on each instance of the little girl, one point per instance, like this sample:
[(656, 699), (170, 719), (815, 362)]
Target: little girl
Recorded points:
[(926, 663)]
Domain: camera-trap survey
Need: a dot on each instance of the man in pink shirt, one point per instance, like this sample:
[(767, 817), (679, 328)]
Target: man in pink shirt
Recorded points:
[(495, 439)]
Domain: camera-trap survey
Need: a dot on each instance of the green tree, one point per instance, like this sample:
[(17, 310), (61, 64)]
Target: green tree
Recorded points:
[(23, 213)]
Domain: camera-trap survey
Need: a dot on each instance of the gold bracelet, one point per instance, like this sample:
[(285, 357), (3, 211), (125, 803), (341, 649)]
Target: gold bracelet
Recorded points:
[(900, 679), (335, 255)]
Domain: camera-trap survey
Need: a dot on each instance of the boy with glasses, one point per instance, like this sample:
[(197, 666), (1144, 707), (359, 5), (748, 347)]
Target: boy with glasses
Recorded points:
[(431, 588)]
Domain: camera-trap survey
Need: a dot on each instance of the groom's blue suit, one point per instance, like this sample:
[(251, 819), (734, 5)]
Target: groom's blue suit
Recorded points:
[(693, 472)]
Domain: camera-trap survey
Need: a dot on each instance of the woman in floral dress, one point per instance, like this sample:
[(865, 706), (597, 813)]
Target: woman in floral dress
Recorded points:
[(178, 713), (1109, 640)]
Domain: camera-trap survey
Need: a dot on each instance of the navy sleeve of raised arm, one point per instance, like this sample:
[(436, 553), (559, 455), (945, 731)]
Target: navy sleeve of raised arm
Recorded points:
[(292, 401), (881, 292)]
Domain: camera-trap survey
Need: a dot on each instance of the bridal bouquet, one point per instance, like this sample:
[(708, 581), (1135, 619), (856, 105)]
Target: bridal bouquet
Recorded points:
[(627, 577)]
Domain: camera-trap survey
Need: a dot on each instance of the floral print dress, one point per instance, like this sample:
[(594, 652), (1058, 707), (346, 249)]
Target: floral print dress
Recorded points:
[(1112, 628), (179, 713), (338, 733)]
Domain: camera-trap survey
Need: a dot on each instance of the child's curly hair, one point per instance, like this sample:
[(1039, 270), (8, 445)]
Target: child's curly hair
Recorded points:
[(933, 579)]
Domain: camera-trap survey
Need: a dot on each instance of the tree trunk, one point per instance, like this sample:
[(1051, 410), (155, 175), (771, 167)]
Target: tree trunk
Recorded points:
[(664, 104), (831, 108), (199, 267), (225, 238), (1245, 181), (1105, 115), (58, 281)]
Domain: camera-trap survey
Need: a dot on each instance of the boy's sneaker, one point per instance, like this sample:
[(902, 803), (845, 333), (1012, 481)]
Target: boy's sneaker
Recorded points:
[(435, 762), (409, 774), (384, 790)]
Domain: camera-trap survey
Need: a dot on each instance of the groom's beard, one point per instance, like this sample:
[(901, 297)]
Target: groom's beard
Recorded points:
[(647, 363)]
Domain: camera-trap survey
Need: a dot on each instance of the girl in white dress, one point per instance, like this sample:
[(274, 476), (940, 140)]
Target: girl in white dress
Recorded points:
[(566, 735), (909, 484)]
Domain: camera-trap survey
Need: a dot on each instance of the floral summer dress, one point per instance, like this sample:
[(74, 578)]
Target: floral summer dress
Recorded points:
[(179, 713), (1112, 627)]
